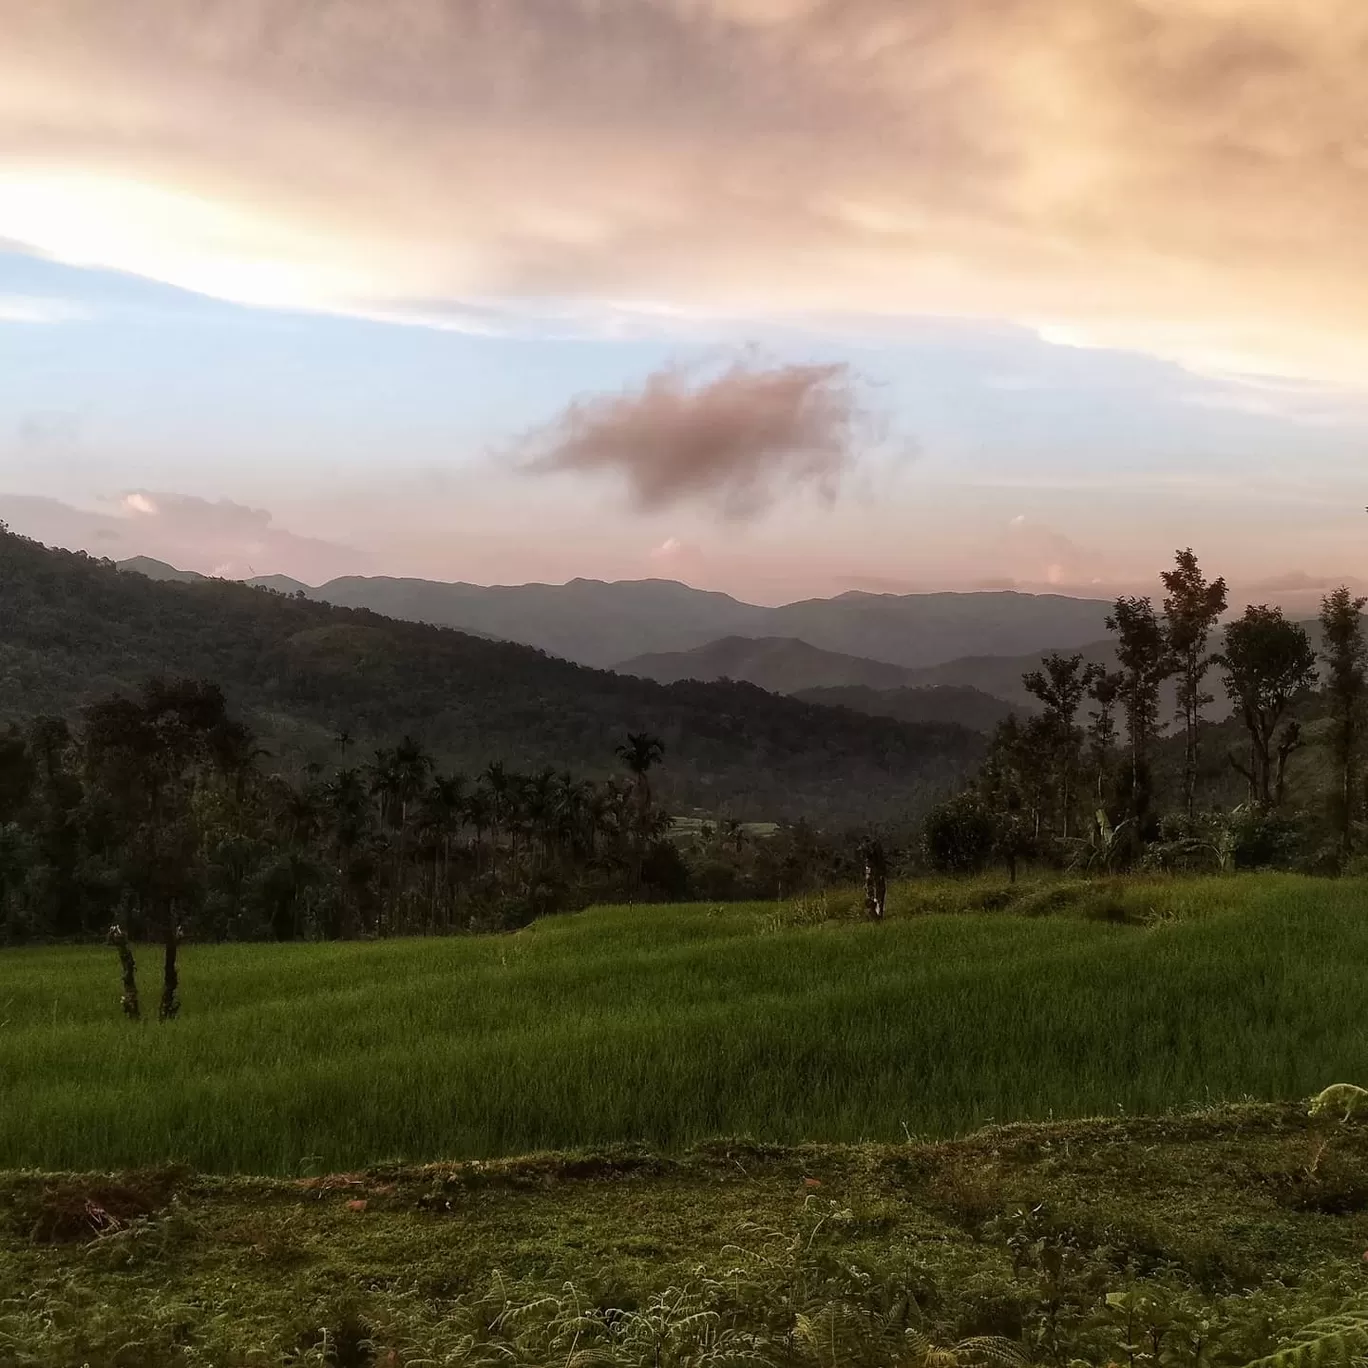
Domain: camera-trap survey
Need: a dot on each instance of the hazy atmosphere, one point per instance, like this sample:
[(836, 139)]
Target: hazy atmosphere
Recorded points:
[(783, 297)]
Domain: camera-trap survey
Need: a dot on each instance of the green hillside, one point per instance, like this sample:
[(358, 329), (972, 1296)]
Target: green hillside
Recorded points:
[(76, 629), (779, 664), (959, 703)]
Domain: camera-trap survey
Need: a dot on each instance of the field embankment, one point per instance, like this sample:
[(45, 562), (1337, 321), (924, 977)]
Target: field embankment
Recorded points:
[(668, 1025)]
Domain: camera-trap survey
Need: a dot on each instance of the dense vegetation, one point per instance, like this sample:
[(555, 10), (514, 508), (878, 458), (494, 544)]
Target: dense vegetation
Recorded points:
[(160, 815), (788, 1022), (298, 672), (960, 703), (1279, 784)]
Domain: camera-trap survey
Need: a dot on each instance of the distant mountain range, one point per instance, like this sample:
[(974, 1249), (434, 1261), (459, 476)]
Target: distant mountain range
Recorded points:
[(779, 664), (303, 672), (788, 666), (596, 623), (1000, 675), (917, 658), (159, 570)]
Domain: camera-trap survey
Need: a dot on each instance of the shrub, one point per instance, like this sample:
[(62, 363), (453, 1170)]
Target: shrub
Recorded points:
[(958, 835), (1259, 839)]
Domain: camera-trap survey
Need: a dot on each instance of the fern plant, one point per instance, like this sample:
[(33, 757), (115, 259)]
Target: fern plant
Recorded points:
[(1333, 1342)]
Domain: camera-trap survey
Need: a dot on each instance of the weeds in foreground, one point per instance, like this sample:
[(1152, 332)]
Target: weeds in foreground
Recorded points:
[(791, 1299)]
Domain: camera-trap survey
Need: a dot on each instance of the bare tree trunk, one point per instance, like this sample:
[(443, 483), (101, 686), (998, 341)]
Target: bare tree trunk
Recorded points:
[(170, 998), (1246, 771), (876, 881), (1263, 764), (1190, 758), (1291, 741), (118, 938), (1347, 787)]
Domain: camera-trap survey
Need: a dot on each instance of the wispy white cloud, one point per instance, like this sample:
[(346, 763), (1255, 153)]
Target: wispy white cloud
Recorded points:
[(27, 309)]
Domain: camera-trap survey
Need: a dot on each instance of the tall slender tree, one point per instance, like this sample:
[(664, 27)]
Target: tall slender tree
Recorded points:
[(641, 753), (1142, 651), (1267, 662), (1191, 609), (1061, 685), (1104, 688), (1345, 654)]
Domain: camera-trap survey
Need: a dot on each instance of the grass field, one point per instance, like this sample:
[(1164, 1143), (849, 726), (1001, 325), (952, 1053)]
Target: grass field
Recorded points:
[(665, 1025)]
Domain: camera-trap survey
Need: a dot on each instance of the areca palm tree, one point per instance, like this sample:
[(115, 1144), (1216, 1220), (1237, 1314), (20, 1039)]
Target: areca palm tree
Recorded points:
[(641, 753), (348, 807), (443, 816), (399, 776), (498, 784), (539, 803), (479, 813)]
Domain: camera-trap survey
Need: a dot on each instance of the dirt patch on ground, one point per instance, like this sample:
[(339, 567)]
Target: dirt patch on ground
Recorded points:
[(66, 1210)]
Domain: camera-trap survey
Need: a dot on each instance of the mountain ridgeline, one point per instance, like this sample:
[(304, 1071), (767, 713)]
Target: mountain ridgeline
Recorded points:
[(76, 629), (602, 624), (784, 665), (957, 703)]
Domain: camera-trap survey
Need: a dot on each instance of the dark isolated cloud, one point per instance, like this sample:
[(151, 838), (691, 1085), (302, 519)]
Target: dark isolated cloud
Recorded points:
[(736, 442), (214, 537)]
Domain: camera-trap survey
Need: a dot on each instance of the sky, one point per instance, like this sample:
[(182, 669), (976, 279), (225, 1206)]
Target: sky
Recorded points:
[(780, 297)]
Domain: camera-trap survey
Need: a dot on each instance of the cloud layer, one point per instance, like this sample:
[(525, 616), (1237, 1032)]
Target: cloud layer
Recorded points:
[(1185, 176), (734, 442)]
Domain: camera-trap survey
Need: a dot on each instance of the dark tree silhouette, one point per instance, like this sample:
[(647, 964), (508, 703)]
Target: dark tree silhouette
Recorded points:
[(1267, 662), (1191, 609), (1345, 654), (1143, 653), (1104, 688), (1060, 686), (641, 753)]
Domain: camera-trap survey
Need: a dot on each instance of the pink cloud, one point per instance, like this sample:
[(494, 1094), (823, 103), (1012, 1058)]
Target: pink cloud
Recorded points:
[(736, 442)]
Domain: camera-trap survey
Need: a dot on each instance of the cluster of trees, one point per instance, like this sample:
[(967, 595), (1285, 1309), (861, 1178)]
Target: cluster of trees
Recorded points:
[(728, 860), (1081, 781), (160, 811)]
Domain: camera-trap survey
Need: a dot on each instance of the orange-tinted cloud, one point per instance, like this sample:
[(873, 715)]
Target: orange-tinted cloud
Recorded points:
[(1185, 176), (735, 442)]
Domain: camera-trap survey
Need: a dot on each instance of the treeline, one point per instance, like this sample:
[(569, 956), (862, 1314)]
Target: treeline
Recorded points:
[(162, 812), (1081, 784)]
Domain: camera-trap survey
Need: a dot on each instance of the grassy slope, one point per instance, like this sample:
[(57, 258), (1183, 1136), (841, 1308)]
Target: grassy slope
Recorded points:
[(668, 1025), (1217, 1210)]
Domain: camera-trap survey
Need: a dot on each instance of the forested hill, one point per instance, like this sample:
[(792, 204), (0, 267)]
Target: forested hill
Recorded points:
[(73, 629)]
